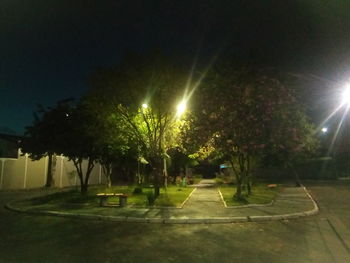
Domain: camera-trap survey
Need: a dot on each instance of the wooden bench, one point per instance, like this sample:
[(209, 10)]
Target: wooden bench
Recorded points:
[(271, 186), (105, 196)]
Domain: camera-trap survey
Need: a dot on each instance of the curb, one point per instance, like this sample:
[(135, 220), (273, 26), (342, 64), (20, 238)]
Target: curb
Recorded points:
[(173, 220)]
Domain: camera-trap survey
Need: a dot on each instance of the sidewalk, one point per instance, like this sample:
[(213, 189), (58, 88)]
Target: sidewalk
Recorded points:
[(204, 206)]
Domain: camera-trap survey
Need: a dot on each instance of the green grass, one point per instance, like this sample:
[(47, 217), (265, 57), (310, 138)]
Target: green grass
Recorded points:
[(261, 194), (225, 179), (173, 196), (195, 180)]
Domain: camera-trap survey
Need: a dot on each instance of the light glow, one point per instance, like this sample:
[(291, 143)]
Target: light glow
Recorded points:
[(144, 105), (324, 129), (346, 96), (181, 107)]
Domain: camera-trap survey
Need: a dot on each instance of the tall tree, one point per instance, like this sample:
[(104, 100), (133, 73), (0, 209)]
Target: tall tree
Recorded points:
[(108, 130), (41, 138), (144, 92), (65, 129), (250, 113), (78, 142)]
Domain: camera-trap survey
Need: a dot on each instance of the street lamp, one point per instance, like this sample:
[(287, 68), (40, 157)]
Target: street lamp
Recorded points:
[(181, 107), (324, 129), (145, 105)]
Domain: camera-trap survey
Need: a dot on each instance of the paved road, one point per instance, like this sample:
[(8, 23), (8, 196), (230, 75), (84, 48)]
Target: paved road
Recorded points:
[(26, 238), (334, 217)]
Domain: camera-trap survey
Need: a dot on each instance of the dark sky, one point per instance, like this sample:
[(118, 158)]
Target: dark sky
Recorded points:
[(49, 48)]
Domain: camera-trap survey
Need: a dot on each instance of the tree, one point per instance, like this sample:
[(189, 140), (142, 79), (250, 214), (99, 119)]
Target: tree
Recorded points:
[(248, 114), (65, 129), (144, 92), (178, 162), (78, 142), (41, 138), (111, 141)]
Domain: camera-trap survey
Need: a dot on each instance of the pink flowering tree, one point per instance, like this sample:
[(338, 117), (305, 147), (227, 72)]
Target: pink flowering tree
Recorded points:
[(250, 115)]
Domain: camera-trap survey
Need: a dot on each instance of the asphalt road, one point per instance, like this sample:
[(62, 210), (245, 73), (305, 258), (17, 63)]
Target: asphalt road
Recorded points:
[(321, 238)]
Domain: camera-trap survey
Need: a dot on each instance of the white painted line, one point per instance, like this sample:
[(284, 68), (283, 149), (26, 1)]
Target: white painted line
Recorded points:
[(188, 198), (222, 198)]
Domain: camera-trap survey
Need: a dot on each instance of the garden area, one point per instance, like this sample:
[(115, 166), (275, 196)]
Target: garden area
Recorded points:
[(261, 195), (152, 136), (172, 196)]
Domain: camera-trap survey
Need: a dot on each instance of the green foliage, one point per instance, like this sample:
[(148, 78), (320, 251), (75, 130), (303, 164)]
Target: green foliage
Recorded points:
[(66, 129), (143, 80), (247, 115), (137, 190), (43, 137), (151, 198)]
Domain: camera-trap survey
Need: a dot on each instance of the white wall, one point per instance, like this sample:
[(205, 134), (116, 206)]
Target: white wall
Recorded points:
[(23, 173)]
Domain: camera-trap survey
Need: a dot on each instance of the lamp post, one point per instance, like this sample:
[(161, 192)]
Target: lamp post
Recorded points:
[(180, 109)]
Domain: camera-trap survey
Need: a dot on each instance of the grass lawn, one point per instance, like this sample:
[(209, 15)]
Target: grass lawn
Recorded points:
[(174, 196), (261, 194)]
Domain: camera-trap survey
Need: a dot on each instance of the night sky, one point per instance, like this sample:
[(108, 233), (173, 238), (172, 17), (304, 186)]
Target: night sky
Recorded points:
[(49, 48)]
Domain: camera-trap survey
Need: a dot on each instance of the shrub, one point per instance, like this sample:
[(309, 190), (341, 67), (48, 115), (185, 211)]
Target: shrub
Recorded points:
[(137, 190)]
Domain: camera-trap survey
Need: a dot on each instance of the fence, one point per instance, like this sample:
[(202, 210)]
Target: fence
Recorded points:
[(23, 173)]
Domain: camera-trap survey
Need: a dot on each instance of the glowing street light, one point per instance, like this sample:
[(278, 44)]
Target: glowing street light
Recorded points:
[(145, 105), (346, 96), (181, 107), (324, 129)]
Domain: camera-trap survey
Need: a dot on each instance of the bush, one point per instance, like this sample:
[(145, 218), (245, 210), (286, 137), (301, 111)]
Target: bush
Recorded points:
[(151, 198), (137, 190)]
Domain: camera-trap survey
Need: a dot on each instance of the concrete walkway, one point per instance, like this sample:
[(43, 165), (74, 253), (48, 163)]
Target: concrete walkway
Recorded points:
[(204, 206), (205, 198)]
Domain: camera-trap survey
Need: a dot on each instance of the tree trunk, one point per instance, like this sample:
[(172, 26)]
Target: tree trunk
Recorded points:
[(84, 182), (49, 172), (84, 188), (87, 175), (238, 194), (248, 175), (107, 170), (165, 174), (249, 186), (157, 175)]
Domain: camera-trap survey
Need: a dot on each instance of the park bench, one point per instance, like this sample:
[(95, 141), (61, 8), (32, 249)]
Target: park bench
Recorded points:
[(271, 186), (105, 196)]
